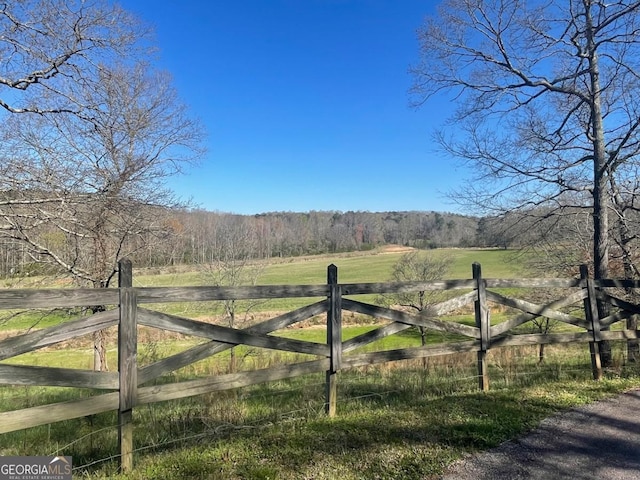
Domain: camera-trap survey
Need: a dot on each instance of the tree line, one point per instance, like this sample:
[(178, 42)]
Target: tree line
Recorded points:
[(200, 237), (286, 234)]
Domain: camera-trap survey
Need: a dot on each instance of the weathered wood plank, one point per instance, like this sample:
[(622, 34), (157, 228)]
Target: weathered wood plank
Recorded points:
[(447, 326), (291, 318), (186, 294), (533, 310), (614, 318), (161, 393), (616, 283), (540, 339), (617, 302), (402, 317), (569, 337), (60, 298), (12, 346), (203, 294), (593, 320), (57, 377), (373, 335), (532, 282), (619, 334), (334, 322), (372, 358), (334, 340), (200, 352), (127, 363), (404, 287), (447, 306), (228, 335), (484, 326), (127, 349), (56, 412), (180, 360), (603, 296), (56, 298)]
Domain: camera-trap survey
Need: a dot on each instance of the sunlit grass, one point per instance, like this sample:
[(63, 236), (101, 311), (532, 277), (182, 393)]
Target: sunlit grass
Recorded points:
[(372, 266), (360, 267)]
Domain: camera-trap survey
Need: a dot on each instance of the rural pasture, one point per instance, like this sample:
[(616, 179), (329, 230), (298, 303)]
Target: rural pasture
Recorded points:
[(405, 419)]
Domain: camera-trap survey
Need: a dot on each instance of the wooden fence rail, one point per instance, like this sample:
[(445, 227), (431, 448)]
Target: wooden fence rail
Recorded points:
[(127, 388)]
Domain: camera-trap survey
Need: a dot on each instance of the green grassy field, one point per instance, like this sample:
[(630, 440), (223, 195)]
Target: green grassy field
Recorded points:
[(362, 267), (372, 266)]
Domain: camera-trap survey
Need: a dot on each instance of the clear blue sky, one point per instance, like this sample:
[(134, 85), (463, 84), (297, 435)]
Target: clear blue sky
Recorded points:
[(305, 103)]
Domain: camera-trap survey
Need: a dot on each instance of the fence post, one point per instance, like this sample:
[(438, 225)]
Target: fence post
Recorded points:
[(334, 339), (127, 363), (482, 322), (593, 320)]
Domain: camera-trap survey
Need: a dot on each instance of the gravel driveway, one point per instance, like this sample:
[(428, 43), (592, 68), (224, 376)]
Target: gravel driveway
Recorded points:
[(598, 441)]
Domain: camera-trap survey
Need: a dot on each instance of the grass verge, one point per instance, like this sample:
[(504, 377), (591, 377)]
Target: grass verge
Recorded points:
[(402, 420)]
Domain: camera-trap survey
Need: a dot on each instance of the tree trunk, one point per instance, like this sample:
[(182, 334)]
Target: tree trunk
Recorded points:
[(600, 182), (541, 353), (100, 352), (423, 342), (231, 312)]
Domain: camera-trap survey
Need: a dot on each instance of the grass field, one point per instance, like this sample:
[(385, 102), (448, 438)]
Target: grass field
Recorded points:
[(373, 266), (404, 420), (361, 267), (370, 266)]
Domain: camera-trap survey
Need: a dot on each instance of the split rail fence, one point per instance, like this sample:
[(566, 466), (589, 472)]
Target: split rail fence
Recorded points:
[(127, 388)]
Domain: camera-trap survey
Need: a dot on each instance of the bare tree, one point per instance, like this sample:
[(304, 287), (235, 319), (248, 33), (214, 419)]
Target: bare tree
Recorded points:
[(82, 194), (626, 208), (47, 48), (48, 45), (423, 267), (548, 102), (233, 250), (96, 184)]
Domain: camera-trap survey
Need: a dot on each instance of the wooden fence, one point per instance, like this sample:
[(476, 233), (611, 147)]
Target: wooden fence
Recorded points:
[(127, 388)]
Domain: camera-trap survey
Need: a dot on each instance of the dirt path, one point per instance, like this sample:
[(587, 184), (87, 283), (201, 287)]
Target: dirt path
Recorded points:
[(598, 441)]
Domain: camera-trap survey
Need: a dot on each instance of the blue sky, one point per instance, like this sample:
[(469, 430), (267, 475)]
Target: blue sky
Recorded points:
[(305, 103)]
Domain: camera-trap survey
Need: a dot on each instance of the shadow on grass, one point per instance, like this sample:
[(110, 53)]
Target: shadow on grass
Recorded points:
[(391, 424), (378, 433)]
